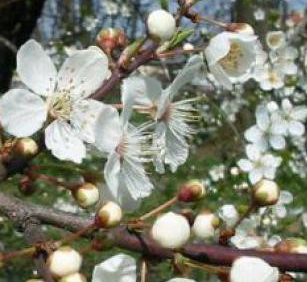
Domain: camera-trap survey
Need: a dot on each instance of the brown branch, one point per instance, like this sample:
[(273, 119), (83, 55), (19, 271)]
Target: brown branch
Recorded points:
[(142, 243)]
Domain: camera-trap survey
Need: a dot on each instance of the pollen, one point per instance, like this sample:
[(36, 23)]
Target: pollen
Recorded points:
[(60, 105), (231, 61)]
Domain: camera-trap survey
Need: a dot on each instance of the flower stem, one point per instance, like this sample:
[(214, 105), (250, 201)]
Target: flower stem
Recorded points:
[(159, 209)]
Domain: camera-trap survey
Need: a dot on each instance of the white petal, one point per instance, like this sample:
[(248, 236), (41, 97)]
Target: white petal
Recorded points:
[(245, 165), (35, 68), (135, 178), (22, 113), (252, 269), (221, 76), (252, 152), (285, 197), (119, 268), (176, 150), (187, 74), (218, 48), (84, 118), (61, 139), (299, 113), (140, 90), (280, 211), (253, 134), (278, 142), (109, 130), (262, 117), (83, 72), (296, 128), (111, 173), (255, 175)]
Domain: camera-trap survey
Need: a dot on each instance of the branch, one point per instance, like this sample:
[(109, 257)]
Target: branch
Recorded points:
[(215, 255)]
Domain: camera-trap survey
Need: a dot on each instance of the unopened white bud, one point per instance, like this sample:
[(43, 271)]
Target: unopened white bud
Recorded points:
[(64, 261), (87, 195), (205, 224), (161, 25), (75, 277), (275, 39), (253, 269), (109, 215), (171, 230), (266, 193), (242, 28)]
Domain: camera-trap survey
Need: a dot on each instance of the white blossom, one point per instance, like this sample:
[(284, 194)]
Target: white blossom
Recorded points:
[(171, 117), (58, 97), (292, 118), (268, 131), (284, 60), (275, 39), (280, 210), (259, 165), (252, 269), (121, 268), (272, 78), (229, 214), (231, 56), (128, 149)]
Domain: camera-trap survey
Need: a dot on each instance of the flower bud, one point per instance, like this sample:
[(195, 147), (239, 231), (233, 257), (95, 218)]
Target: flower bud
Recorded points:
[(110, 38), (87, 195), (171, 230), (161, 25), (242, 28), (253, 269), (292, 245), (26, 147), (266, 193), (109, 215), (64, 261), (205, 224), (191, 191), (75, 277)]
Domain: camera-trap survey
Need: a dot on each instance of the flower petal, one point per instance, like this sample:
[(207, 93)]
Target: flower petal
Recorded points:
[(22, 113), (83, 72), (63, 142), (186, 75), (252, 152), (109, 130), (253, 134), (278, 142), (35, 68), (84, 118), (119, 268), (111, 173), (262, 117), (255, 175), (245, 165), (296, 128)]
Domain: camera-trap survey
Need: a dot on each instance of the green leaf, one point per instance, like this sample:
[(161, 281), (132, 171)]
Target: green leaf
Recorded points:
[(164, 4), (179, 37)]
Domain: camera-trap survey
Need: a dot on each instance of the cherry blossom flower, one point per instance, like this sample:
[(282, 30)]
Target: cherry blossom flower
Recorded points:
[(268, 131), (280, 210), (275, 39), (231, 56), (60, 98), (121, 268), (259, 165), (272, 78), (252, 269), (292, 117), (128, 149), (171, 117), (284, 60)]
